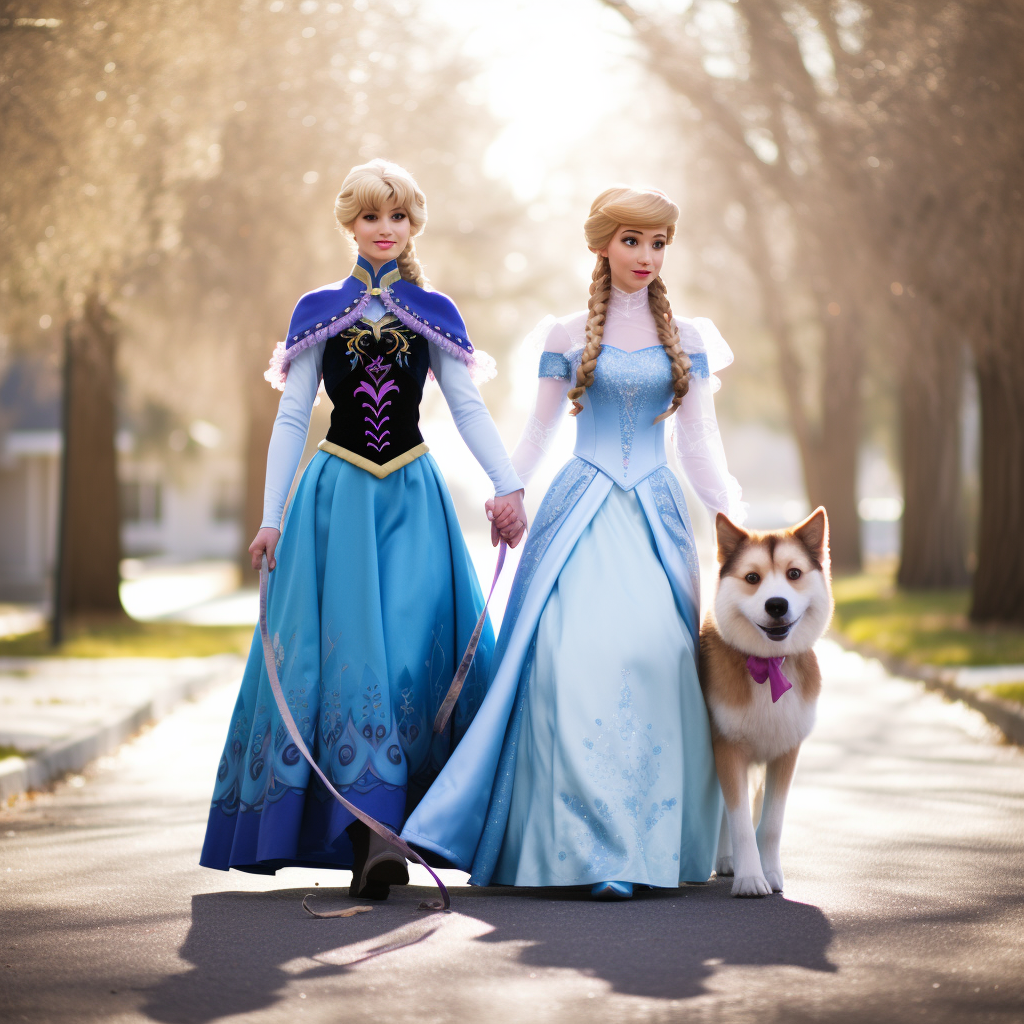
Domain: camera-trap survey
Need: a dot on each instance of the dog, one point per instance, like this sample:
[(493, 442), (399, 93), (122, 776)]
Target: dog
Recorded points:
[(761, 681)]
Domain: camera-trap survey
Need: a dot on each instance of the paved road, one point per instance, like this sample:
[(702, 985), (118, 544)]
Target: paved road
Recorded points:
[(904, 857)]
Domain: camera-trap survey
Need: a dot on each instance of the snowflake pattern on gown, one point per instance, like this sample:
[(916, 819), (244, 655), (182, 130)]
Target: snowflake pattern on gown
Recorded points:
[(623, 759)]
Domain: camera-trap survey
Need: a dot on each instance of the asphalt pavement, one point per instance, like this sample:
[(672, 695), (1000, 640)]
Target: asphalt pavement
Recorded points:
[(903, 852)]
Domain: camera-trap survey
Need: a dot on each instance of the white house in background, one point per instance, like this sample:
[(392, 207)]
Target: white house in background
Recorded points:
[(182, 508)]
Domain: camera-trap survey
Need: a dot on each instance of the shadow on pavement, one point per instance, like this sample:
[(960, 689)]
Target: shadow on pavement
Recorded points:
[(245, 948), (661, 944), (240, 945)]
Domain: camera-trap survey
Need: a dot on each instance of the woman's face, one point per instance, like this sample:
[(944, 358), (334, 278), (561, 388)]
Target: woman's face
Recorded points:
[(635, 256), (382, 235)]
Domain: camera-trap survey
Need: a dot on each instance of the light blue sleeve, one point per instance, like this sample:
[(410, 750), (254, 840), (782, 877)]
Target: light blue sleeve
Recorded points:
[(554, 364), (473, 421), (290, 429)]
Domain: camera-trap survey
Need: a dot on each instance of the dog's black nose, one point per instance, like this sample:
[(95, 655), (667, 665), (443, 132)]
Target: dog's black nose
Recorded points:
[(776, 607)]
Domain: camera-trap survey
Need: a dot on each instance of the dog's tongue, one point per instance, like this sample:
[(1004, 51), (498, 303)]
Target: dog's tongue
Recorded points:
[(763, 669)]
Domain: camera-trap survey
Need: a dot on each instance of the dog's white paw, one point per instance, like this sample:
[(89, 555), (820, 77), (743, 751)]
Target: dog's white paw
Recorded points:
[(751, 885), (771, 864), (723, 867)]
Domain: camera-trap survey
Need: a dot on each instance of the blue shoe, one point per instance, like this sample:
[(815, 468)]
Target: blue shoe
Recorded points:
[(608, 891)]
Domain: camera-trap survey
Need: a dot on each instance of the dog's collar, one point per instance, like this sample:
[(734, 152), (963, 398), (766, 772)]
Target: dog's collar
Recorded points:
[(763, 669)]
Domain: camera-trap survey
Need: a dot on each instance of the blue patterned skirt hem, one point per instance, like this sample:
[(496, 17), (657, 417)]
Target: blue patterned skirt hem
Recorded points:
[(371, 605)]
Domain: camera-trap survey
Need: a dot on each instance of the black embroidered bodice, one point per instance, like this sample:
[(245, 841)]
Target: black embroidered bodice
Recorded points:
[(374, 375)]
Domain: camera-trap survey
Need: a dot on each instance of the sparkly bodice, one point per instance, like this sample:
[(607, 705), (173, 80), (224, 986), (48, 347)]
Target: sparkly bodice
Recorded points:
[(616, 431)]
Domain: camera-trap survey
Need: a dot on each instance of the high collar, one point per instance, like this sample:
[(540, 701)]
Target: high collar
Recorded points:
[(627, 303), (383, 278)]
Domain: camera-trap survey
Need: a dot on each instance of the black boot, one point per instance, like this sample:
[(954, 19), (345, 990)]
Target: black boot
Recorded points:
[(376, 864)]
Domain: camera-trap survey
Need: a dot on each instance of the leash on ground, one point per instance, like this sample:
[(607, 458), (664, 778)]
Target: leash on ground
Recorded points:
[(443, 714)]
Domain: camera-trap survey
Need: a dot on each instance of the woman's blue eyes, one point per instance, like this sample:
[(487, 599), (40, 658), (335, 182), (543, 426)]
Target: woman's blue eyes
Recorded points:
[(633, 242), (394, 216)]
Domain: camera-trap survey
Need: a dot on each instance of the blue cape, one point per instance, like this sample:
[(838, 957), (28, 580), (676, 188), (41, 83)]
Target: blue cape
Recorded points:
[(327, 311)]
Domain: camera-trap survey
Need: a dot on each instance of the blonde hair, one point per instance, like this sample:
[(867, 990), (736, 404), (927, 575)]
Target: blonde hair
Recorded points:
[(640, 208), (371, 186)]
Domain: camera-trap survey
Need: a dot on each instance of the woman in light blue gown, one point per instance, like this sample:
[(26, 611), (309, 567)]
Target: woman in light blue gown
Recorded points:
[(589, 761)]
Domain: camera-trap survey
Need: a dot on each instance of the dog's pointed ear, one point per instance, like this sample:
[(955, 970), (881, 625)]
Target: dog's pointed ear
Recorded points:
[(729, 535), (813, 534)]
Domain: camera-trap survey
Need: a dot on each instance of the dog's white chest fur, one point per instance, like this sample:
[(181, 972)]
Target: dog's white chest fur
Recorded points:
[(769, 729)]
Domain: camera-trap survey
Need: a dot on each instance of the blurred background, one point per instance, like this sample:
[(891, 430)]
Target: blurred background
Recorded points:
[(849, 175)]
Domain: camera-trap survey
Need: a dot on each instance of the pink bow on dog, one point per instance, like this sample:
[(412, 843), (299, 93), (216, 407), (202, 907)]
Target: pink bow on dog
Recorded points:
[(769, 668)]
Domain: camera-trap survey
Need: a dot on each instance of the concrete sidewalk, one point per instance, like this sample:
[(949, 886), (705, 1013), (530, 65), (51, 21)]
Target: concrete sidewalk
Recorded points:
[(58, 714), (967, 684)]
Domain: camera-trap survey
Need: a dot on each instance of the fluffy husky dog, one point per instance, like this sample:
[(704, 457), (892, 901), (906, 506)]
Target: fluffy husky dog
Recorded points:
[(761, 681)]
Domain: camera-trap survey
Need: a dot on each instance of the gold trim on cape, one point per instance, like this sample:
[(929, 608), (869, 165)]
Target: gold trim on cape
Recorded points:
[(360, 274), (371, 467)]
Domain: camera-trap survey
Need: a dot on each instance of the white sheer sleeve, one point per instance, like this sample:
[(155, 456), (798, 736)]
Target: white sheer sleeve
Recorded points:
[(473, 421), (552, 388), (698, 442), (290, 429)]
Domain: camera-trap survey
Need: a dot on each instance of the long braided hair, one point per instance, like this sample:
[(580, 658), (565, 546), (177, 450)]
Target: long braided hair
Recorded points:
[(368, 187), (612, 209)]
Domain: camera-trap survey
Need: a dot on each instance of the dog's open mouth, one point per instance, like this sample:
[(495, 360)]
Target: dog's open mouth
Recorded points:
[(778, 632)]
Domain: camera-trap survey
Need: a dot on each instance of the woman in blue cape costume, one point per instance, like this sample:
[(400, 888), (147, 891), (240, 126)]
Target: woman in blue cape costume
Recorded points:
[(374, 597), (589, 762)]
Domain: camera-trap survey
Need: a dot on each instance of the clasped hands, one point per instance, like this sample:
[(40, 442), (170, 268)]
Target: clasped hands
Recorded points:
[(508, 518)]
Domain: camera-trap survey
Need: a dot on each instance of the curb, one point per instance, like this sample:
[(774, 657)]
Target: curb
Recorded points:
[(73, 753), (1006, 715)]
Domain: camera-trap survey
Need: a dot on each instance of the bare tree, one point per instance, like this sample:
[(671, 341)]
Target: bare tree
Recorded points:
[(873, 126), (82, 106), (765, 132)]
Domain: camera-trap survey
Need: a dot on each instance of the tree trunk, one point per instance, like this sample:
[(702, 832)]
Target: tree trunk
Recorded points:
[(90, 546), (933, 531), (832, 476), (262, 402), (829, 453), (998, 594)]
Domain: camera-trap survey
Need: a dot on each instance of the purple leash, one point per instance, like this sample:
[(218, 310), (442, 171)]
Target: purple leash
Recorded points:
[(293, 730), (445, 711)]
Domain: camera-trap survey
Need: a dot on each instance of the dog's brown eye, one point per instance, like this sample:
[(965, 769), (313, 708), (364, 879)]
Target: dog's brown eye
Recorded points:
[(794, 574), (752, 577)]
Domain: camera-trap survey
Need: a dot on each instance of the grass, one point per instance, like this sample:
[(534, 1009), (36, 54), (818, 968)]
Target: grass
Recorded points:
[(922, 626), (126, 638), (1009, 691)]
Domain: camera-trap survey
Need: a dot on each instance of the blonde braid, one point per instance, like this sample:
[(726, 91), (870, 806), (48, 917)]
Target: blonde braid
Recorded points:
[(668, 334), (600, 292), (409, 266)]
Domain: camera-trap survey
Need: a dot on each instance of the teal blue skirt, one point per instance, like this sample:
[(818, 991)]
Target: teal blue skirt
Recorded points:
[(373, 600)]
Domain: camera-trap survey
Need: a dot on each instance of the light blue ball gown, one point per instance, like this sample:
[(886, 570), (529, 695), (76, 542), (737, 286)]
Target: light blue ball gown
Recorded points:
[(590, 758)]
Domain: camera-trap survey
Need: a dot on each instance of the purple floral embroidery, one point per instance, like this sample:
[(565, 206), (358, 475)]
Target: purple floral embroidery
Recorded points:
[(377, 371)]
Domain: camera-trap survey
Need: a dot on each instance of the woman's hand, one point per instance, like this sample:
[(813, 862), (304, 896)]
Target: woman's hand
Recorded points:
[(266, 540), (508, 518)]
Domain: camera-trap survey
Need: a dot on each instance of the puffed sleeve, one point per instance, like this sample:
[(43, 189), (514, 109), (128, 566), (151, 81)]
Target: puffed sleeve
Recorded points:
[(473, 420), (290, 429), (555, 373), (698, 442)]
